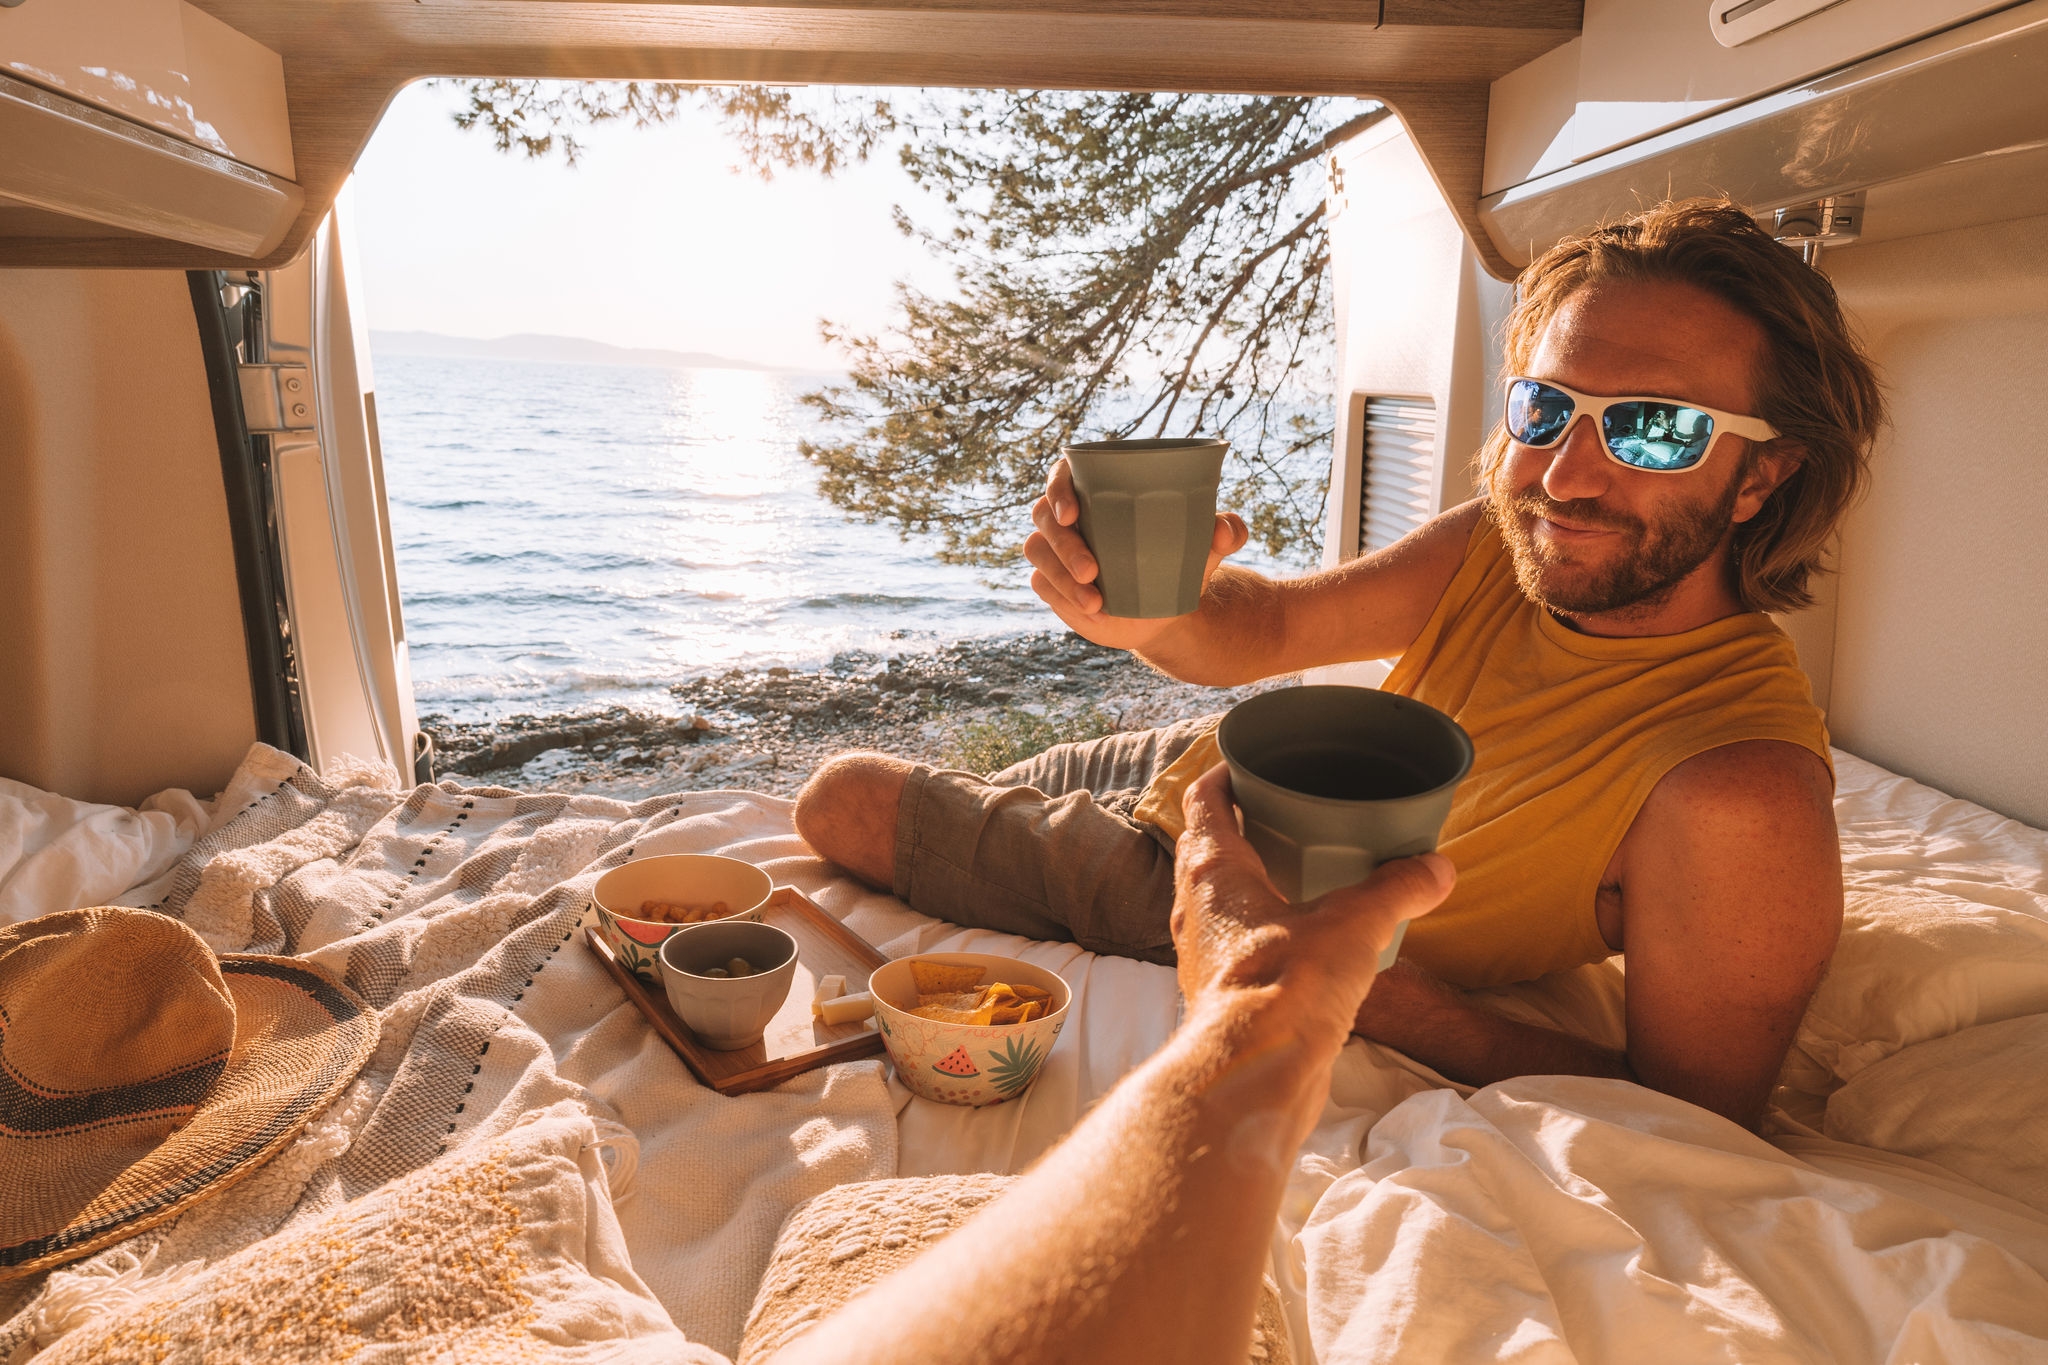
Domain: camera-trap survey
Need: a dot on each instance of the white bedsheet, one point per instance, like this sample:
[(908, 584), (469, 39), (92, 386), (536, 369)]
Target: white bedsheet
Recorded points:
[(1546, 1218), (1565, 1218), (1562, 1218)]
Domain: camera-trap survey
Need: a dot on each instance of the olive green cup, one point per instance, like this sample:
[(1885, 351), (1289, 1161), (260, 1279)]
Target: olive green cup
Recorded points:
[(1148, 513), (1334, 781)]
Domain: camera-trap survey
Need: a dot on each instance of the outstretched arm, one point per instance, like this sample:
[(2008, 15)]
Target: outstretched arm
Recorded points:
[(1249, 626), (1142, 1236)]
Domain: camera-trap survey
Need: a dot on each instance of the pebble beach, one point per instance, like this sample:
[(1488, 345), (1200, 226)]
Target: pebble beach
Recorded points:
[(978, 705)]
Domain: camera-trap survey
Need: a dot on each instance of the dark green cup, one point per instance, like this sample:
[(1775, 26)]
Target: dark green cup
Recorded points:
[(1334, 781), (1148, 513)]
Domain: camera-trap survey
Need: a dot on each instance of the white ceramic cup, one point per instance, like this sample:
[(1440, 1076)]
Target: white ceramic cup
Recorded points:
[(727, 1013)]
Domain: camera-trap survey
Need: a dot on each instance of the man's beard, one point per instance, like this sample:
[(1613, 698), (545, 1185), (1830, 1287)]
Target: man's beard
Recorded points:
[(1653, 560)]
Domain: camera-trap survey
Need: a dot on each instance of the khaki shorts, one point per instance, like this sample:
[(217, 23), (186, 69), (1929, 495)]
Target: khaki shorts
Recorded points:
[(1047, 848)]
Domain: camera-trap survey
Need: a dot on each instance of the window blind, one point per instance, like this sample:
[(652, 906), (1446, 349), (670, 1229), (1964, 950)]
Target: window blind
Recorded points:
[(1400, 462)]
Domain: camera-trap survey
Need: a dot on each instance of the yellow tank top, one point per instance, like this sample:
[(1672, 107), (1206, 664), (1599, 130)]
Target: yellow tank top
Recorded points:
[(1571, 731)]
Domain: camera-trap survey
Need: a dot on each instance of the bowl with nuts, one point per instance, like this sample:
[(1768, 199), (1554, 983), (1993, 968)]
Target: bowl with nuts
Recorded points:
[(642, 904)]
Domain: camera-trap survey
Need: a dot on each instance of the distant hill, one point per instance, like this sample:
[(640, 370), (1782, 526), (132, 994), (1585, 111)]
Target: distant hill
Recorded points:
[(557, 350)]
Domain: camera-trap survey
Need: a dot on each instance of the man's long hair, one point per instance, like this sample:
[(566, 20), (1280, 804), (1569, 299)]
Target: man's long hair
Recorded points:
[(1814, 382)]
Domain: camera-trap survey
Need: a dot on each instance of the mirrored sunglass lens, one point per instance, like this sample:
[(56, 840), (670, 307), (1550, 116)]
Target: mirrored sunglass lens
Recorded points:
[(1537, 414), (1657, 435)]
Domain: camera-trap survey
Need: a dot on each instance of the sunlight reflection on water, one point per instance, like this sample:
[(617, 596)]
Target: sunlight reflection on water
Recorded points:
[(574, 534)]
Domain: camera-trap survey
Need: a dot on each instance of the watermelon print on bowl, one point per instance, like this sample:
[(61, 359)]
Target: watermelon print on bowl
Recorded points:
[(692, 878), (966, 1064)]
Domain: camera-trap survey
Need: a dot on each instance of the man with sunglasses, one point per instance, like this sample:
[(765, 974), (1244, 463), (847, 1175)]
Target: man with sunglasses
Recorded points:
[(1686, 416)]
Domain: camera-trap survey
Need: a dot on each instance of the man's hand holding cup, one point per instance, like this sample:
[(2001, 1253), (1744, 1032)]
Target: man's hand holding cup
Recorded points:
[(1149, 585)]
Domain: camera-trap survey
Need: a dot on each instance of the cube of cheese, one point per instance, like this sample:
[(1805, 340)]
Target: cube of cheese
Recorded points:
[(847, 1008), (829, 988)]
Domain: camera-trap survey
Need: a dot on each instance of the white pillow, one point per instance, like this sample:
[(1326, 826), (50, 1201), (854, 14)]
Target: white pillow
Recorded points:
[(60, 854), (1915, 965), (1975, 1102)]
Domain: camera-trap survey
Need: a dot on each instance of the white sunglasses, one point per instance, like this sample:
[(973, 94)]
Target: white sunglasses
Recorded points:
[(1666, 435)]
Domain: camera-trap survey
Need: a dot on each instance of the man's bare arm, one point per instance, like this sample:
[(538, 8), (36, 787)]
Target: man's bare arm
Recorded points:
[(1732, 903), (1732, 900), (1142, 1236), (1413, 1012), (1250, 626)]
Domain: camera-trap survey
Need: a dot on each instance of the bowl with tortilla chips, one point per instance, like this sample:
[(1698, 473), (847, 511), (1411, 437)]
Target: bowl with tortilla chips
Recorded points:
[(640, 904), (968, 1028)]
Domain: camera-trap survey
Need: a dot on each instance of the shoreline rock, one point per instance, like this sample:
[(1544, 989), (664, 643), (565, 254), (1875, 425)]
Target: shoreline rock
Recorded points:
[(967, 704)]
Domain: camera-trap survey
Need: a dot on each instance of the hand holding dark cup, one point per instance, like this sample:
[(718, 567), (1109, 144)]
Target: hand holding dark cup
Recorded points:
[(1066, 572), (1236, 935)]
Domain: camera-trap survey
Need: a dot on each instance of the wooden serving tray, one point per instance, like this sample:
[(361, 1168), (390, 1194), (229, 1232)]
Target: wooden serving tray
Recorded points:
[(794, 1042)]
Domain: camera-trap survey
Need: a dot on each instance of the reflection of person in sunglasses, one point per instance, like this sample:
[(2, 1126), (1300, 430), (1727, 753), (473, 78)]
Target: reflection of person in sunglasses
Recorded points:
[(1687, 417)]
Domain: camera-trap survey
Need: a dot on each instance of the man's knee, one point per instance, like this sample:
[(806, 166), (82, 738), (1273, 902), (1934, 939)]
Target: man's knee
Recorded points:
[(847, 814)]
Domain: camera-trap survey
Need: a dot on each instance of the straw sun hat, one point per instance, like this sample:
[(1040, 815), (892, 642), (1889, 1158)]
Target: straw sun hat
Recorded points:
[(140, 1074)]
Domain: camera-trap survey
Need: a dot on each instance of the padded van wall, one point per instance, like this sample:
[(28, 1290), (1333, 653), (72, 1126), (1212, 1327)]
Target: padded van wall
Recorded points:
[(122, 666), (1940, 659)]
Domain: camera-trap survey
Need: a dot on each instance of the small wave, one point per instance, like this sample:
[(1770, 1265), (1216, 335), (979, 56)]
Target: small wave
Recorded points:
[(474, 607), (718, 565), (709, 495), (839, 600), (574, 561), (998, 606), (518, 683)]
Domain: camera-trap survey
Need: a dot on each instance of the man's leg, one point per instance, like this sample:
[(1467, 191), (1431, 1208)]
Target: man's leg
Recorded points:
[(1116, 769), (1031, 851), (846, 812)]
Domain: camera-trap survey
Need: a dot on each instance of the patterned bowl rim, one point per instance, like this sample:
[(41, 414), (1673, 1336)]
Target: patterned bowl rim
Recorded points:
[(751, 912), (617, 918)]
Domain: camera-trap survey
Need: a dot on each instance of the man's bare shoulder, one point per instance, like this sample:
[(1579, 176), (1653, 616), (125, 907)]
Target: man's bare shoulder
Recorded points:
[(1443, 538), (1741, 830), (1755, 779), (1731, 892)]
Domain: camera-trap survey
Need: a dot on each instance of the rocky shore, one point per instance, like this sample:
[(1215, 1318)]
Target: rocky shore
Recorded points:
[(978, 705)]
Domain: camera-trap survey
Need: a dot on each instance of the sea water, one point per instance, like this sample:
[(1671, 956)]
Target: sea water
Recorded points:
[(577, 535), (569, 535)]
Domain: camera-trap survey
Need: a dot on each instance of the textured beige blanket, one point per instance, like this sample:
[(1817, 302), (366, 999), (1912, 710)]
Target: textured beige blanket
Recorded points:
[(455, 912)]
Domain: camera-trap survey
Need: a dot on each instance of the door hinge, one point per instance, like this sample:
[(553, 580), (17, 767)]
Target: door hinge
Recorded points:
[(276, 398)]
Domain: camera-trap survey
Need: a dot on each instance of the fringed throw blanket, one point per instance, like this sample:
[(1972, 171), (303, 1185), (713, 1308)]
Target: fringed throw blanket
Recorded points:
[(455, 913)]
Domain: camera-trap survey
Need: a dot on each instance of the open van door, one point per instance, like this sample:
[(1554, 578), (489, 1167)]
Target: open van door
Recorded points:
[(305, 388)]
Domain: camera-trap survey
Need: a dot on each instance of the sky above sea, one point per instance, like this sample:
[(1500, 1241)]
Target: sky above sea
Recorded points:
[(654, 239)]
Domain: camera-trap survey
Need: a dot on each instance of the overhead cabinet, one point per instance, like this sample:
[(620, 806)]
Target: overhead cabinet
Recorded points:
[(1939, 132), (141, 118)]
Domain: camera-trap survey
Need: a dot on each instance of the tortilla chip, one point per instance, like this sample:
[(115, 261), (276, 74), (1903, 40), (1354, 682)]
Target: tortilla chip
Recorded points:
[(1000, 1003), (954, 1000), (946, 1015), (1016, 1004), (937, 978)]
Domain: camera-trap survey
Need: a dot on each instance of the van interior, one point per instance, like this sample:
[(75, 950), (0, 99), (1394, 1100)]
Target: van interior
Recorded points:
[(196, 558)]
